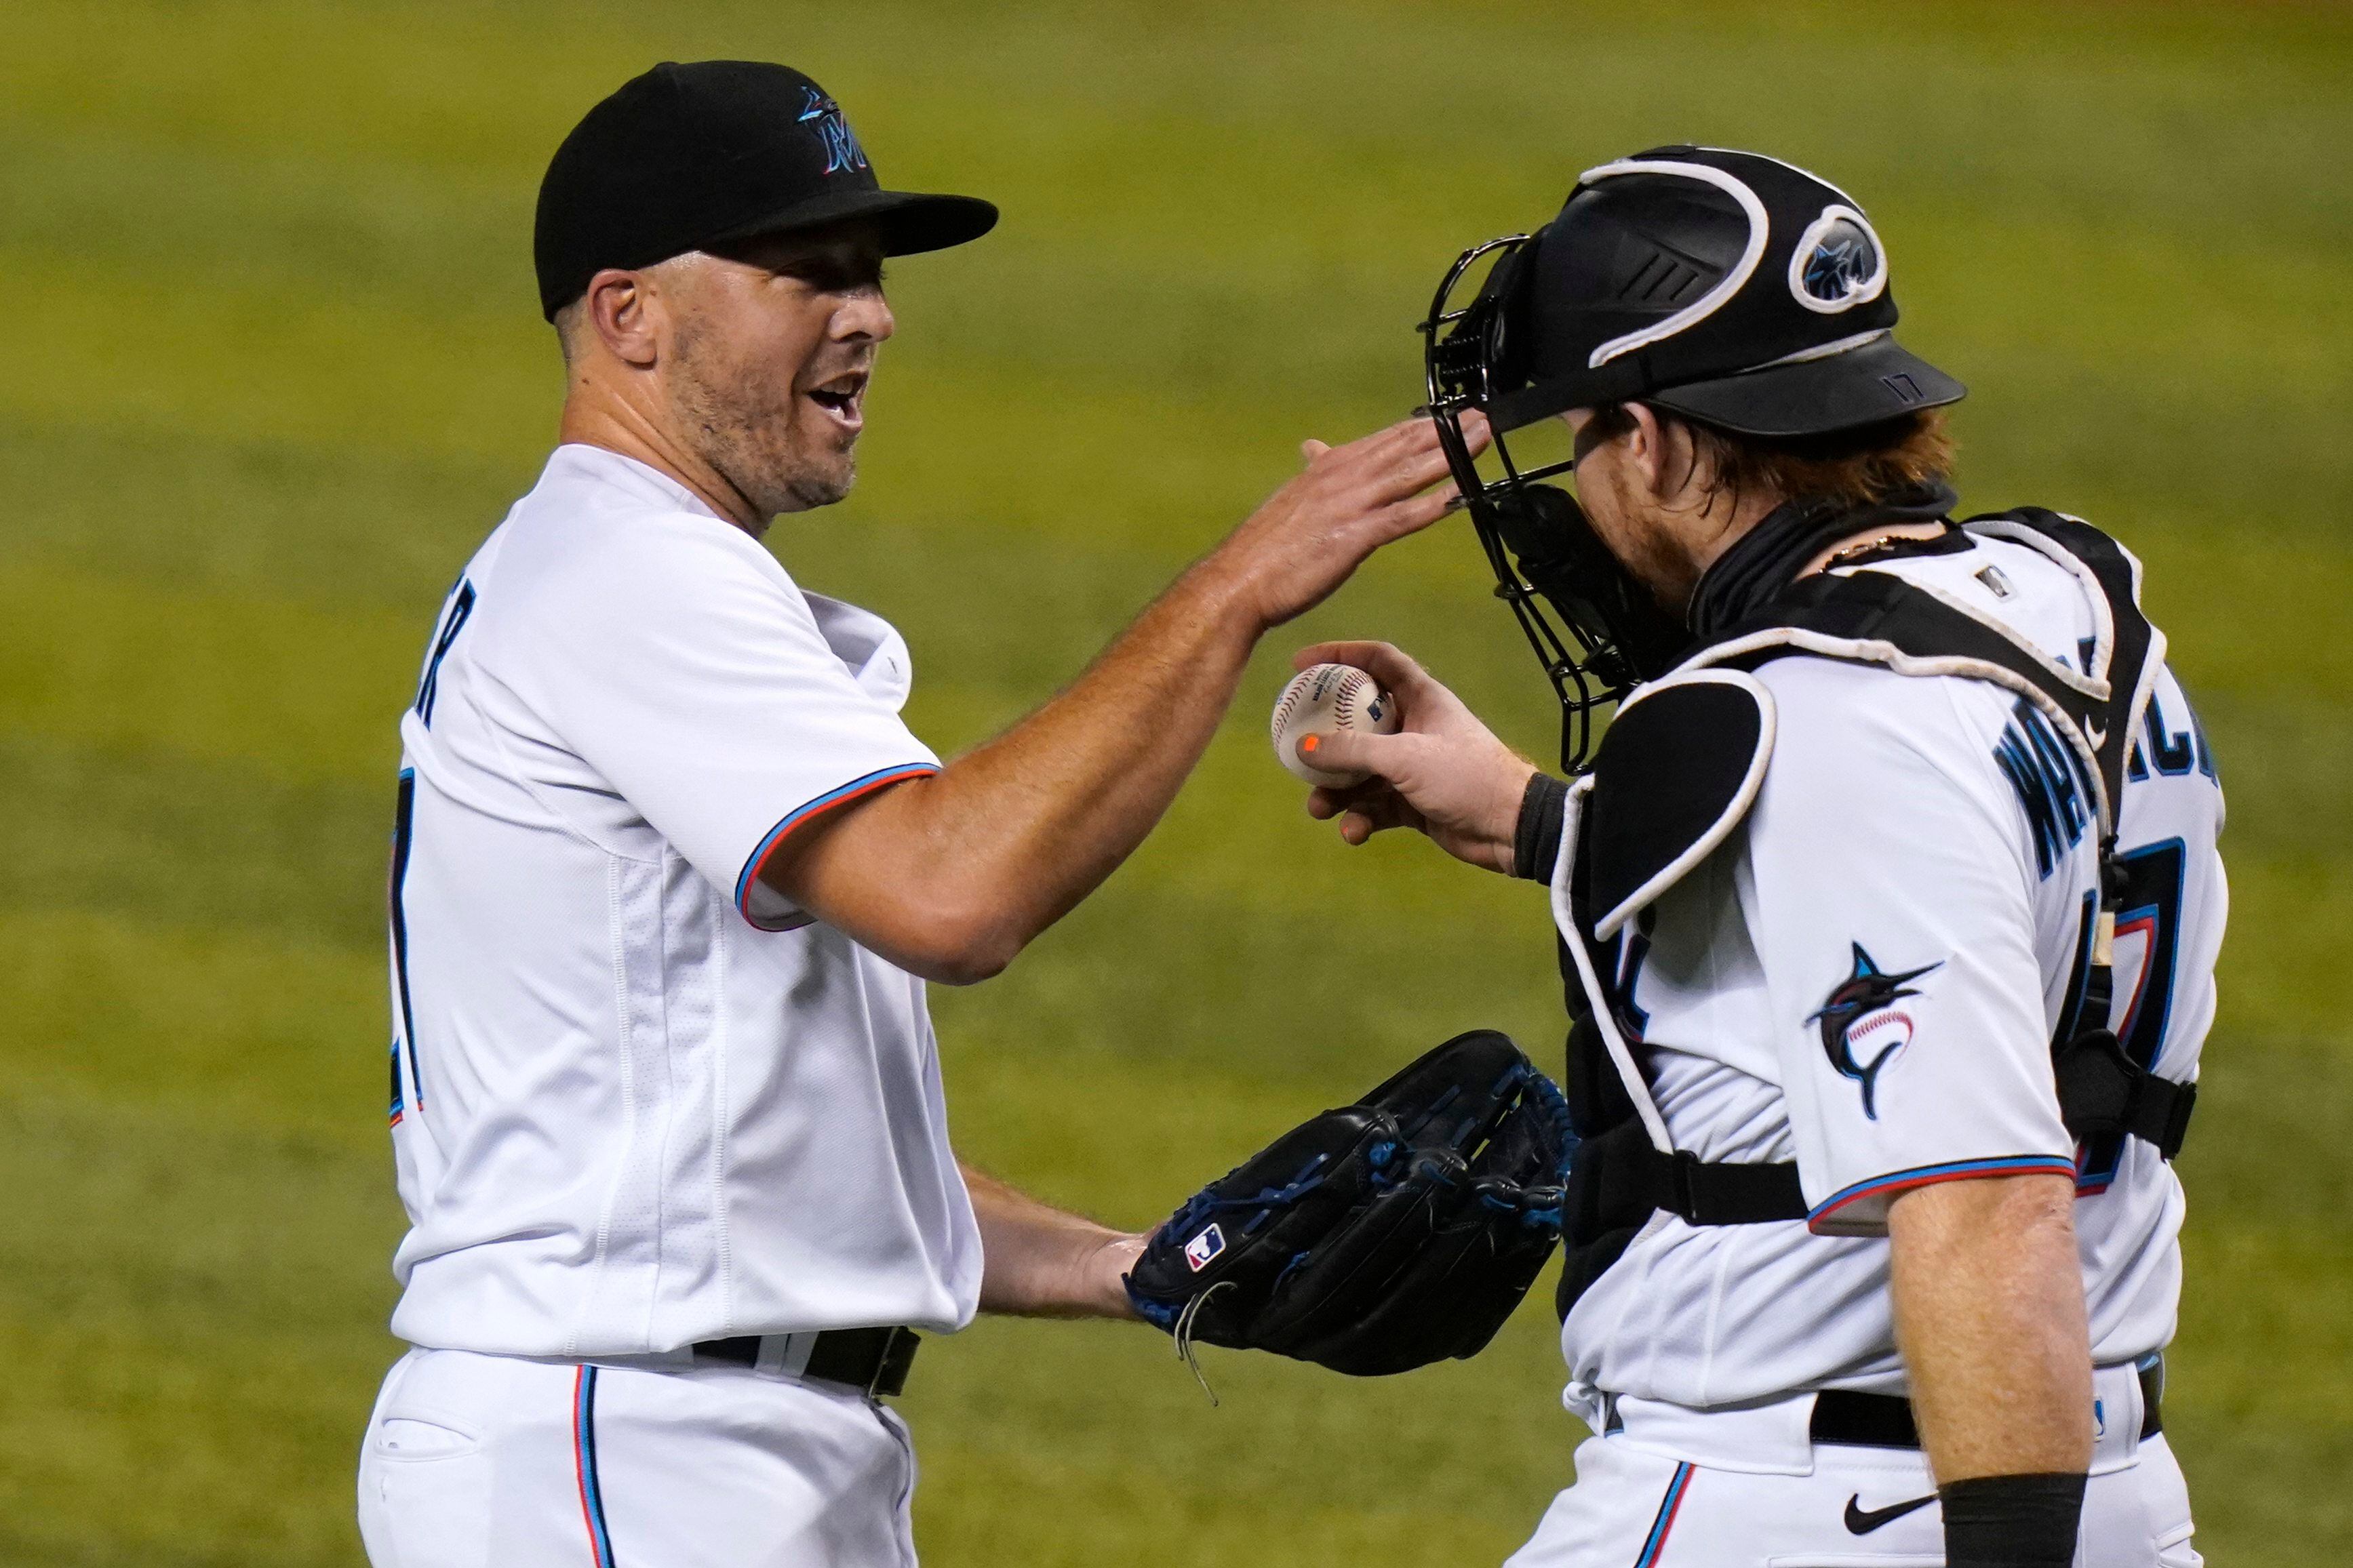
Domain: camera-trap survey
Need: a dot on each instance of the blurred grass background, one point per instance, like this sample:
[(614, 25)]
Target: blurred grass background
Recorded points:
[(273, 367)]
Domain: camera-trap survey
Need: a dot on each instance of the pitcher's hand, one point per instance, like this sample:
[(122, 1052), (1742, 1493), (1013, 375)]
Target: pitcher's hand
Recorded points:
[(1291, 553)]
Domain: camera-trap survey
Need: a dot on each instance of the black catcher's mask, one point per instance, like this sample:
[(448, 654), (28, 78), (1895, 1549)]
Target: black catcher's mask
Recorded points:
[(1728, 288)]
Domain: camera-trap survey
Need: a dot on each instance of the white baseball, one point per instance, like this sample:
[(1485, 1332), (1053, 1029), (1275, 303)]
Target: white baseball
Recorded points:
[(1321, 700)]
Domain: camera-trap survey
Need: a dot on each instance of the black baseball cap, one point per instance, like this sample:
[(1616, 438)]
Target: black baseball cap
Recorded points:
[(688, 156), (1730, 287)]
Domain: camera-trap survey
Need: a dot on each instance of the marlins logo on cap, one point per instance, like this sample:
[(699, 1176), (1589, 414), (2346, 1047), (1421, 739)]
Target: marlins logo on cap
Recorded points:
[(841, 148)]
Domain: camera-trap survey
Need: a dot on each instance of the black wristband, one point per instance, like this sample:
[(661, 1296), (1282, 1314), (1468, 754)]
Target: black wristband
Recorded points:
[(1535, 846), (2012, 1522)]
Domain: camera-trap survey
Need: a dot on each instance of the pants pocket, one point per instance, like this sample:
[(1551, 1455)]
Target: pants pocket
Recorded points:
[(427, 1512), (410, 1438), (424, 1481)]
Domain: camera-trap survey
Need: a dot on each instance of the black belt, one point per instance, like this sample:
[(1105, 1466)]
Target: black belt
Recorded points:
[(1884, 1420), (874, 1361)]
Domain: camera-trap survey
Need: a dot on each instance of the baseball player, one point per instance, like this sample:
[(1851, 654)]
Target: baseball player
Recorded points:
[(670, 873), (1889, 906)]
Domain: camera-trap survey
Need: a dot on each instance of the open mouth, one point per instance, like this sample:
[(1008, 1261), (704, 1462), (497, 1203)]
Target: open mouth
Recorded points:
[(842, 398)]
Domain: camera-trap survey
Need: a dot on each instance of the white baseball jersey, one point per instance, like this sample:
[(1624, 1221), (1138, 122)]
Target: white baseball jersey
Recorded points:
[(1865, 979), (640, 1101)]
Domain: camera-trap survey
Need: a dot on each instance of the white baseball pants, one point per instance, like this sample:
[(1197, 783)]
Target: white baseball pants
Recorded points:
[(1637, 1504), (482, 1461)]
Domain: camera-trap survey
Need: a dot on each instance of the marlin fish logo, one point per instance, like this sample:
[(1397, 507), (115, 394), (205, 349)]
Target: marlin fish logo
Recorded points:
[(1861, 1019), (841, 148), (1836, 270)]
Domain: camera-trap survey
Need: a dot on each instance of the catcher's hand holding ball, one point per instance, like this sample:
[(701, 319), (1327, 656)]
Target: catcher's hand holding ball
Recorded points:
[(1441, 770), (1321, 700)]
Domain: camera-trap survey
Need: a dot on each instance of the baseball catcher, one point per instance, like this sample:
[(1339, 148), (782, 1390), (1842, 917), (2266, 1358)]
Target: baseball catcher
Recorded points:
[(1888, 901)]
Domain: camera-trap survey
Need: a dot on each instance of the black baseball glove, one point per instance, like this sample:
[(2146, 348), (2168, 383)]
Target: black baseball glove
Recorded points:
[(1380, 1236)]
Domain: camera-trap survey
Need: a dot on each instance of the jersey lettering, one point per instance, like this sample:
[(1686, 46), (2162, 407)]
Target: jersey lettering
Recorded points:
[(2173, 752), (2151, 911), (2050, 781), (2148, 947), (462, 605), (403, 825), (2177, 752)]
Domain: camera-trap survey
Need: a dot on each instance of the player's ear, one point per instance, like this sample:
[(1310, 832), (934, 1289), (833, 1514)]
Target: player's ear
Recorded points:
[(1662, 452), (620, 310), (1648, 444)]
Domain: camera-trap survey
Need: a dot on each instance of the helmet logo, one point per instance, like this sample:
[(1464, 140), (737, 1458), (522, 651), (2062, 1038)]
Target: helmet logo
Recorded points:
[(1839, 262), (1838, 267)]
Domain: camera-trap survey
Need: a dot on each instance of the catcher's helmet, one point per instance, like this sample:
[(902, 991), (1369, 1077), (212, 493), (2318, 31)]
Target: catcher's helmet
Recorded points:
[(1732, 289)]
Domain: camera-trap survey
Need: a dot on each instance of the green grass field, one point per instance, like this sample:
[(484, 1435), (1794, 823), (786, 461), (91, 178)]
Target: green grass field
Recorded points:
[(273, 366)]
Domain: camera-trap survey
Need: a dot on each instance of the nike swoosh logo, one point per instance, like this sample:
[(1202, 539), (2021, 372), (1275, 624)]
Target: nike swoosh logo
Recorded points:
[(1862, 1521)]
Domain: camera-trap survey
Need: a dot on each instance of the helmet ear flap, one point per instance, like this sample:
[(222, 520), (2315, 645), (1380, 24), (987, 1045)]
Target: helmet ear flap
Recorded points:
[(1497, 308)]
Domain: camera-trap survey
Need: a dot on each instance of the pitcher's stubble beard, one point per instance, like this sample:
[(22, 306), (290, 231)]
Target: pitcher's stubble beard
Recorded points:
[(748, 428)]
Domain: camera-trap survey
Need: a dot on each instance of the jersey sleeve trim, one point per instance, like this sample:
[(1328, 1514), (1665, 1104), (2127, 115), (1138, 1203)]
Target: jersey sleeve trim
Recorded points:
[(843, 795), (1825, 1219)]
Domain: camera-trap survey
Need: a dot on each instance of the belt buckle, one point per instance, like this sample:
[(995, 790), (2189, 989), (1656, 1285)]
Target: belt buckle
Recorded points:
[(890, 1377)]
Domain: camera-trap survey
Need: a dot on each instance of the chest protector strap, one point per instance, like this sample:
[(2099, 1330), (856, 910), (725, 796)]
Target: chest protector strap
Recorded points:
[(1679, 770)]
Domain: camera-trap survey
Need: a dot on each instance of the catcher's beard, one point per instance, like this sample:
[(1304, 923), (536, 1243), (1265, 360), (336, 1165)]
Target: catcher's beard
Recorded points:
[(1631, 530), (746, 427)]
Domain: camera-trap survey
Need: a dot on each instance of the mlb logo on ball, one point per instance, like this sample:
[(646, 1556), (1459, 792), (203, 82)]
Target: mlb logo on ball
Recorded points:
[(1204, 1246)]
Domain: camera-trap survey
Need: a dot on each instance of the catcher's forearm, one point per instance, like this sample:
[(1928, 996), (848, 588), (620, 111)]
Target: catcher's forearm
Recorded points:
[(1990, 1314), (1038, 1261)]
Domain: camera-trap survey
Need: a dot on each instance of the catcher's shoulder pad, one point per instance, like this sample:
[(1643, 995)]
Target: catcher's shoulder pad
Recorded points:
[(1677, 772)]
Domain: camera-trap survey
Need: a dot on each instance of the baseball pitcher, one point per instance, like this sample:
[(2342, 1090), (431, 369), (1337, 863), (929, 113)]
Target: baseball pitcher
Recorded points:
[(1888, 903), (670, 874)]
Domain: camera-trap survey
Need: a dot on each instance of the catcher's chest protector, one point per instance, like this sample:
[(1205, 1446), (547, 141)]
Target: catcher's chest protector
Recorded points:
[(1679, 770)]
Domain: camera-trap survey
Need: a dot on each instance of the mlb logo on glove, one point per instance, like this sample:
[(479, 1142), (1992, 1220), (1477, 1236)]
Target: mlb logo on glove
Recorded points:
[(1204, 1246)]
